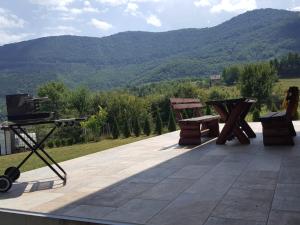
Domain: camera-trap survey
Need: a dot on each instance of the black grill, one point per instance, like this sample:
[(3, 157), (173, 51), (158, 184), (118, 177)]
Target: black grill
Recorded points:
[(23, 107)]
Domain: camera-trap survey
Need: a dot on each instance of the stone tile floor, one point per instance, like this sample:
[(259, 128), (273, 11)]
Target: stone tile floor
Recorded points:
[(155, 181)]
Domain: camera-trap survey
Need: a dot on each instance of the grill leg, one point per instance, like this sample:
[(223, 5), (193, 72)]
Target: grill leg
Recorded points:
[(38, 146)]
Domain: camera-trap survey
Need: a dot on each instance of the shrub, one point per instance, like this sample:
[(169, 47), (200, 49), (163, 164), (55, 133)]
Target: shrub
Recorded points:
[(63, 142), (158, 123), (255, 115), (147, 126), (172, 122), (207, 110), (136, 128), (57, 142), (70, 141), (126, 130), (115, 129), (50, 144)]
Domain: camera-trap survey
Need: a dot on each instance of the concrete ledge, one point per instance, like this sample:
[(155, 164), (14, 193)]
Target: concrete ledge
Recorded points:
[(15, 217)]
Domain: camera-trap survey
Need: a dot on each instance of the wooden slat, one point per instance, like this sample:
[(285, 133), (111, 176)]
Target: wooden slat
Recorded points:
[(188, 106), (189, 141), (205, 118), (184, 100), (190, 133)]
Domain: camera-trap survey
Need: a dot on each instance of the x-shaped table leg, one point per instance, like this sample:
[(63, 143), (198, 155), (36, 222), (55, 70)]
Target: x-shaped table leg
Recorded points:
[(232, 121)]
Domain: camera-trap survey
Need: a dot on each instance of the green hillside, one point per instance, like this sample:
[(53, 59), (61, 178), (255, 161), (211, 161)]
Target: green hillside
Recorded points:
[(132, 58)]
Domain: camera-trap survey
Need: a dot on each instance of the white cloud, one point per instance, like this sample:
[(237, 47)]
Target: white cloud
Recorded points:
[(132, 8), (202, 3), (52, 3), (234, 6), (62, 30), (296, 8), (7, 38), (102, 25), (64, 6), (124, 2), (113, 2), (9, 20), (153, 20)]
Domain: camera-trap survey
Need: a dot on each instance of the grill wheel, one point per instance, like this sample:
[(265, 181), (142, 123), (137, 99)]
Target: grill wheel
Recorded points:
[(5, 183)]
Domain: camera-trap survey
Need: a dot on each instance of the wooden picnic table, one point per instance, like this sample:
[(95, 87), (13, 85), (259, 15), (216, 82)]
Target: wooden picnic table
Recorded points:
[(233, 113)]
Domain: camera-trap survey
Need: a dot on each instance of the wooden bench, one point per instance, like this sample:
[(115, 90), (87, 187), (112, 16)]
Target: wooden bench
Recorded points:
[(278, 128), (197, 125)]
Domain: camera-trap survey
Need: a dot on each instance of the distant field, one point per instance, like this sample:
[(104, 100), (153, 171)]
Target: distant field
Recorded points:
[(285, 83)]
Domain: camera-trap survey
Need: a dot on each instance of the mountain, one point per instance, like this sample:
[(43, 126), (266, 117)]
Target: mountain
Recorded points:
[(132, 58)]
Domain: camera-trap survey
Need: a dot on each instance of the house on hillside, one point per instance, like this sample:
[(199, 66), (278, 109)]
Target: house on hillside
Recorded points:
[(214, 80)]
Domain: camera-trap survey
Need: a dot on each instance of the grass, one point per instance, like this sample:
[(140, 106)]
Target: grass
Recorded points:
[(64, 153), (286, 83)]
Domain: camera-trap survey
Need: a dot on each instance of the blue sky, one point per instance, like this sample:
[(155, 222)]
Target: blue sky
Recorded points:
[(28, 19)]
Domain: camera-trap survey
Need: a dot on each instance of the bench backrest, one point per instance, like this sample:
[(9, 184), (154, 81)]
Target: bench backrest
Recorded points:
[(179, 105), (291, 102)]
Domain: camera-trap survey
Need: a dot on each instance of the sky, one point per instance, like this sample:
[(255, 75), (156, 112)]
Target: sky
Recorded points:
[(28, 19)]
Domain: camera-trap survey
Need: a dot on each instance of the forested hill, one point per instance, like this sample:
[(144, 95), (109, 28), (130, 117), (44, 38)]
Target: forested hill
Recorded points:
[(140, 57)]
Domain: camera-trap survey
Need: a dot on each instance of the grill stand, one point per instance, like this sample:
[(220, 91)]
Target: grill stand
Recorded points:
[(62, 175), (13, 173)]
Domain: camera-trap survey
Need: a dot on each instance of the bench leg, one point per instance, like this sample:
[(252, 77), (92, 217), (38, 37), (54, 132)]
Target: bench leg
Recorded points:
[(213, 127), (278, 133), (190, 134)]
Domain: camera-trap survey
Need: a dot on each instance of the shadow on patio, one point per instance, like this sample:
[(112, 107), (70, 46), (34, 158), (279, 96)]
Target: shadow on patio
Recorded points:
[(157, 182)]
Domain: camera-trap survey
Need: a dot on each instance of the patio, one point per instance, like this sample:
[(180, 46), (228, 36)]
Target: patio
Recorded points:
[(157, 182)]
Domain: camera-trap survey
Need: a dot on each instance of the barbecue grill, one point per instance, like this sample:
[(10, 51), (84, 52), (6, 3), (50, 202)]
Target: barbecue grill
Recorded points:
[(23, 111)]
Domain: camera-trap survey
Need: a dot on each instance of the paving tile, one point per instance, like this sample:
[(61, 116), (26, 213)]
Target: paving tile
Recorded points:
[(257, 180), (284, 218), (291, 161), (266, 163), (117, 196), (289, 175), (168, 189), (187, 209), (210, 159), (153, 175), (287, 197), (245, 204), (191, 172), (212, 186), (226, 221), (229, 168), (137, 211), (89, 211)]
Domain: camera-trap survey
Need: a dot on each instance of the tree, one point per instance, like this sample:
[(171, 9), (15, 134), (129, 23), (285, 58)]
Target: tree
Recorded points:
[(231, 74), (95, 122), (172, 122), (126, 129), (115, 129), (57, 93), (147, 126), (257, 81), (80, 100), (136, 127), (158, 123)]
